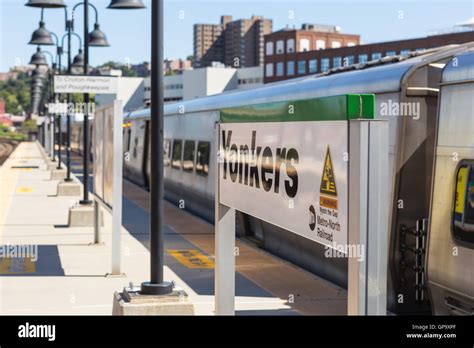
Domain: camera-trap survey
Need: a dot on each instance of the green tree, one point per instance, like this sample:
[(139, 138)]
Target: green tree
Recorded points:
[(28, 126), (16, 93)]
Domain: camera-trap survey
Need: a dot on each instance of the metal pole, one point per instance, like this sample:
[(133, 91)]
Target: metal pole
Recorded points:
[(68, 116), (60, 138), (86, 154), (51, 136), (156, 285), (54, 139), (59, 141), (53, 98), (224, 237)]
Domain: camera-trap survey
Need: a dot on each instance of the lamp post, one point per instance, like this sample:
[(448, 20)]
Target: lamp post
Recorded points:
[(95, 38), (69, 35), (42, 36), (156, 285)]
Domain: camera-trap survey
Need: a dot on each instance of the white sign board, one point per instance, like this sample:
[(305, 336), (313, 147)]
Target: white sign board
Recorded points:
[(85, 84), (108, 169), (291, 174), (287, 163)]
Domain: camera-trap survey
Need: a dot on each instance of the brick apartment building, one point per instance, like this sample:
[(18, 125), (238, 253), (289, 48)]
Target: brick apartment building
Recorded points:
[(296, 53), (238, 43), (176, 66)]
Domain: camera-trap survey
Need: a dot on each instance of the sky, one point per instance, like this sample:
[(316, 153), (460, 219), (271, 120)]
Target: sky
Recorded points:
[(128, 31)]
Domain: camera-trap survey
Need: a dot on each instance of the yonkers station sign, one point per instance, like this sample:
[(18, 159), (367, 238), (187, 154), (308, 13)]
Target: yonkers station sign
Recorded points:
[(287, 164)]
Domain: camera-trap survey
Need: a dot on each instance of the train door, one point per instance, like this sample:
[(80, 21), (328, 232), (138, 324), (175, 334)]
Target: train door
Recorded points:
[(450, 250)]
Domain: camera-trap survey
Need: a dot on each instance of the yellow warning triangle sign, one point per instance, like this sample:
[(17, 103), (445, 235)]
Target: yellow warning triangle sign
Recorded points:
[(328, 181)]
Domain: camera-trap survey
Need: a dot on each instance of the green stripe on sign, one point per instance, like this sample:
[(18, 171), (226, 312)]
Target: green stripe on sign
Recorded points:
[(334, 108), (368, 106)]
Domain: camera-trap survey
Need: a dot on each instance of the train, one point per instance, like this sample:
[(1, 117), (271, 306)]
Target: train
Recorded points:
[(431, 171)]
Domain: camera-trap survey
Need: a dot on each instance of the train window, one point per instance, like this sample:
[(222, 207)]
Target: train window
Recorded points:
[(166, 152), (202, 159), (177, 149), (188, 155), (463, 210), (129, 138)]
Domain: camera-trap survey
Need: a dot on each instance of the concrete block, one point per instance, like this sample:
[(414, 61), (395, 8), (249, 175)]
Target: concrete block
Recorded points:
[(51, 165), (135, 303), (69, 188), (58, 174), (83, 216)]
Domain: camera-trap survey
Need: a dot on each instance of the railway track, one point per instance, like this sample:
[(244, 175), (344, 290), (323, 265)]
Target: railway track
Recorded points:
[(6, 148)]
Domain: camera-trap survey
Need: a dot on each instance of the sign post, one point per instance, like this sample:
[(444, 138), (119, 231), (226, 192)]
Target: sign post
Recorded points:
[(368, 217), (292, 164), (224, 249), (108, 163)]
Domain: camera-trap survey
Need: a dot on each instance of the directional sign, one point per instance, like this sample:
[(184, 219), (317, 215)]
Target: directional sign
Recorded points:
[(85, 84)]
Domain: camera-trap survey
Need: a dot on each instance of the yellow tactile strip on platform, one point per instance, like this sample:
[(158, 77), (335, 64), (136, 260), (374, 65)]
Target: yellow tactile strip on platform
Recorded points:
[(192, 258), (17, 265)]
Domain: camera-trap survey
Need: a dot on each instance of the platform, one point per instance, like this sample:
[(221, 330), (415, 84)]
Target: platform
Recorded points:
[(60, 281)]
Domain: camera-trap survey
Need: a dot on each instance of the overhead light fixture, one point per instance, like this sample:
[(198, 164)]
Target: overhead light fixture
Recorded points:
[(97, 37), (41, 36), (46, 3), (126, 5), (38, 58), (78, 61)]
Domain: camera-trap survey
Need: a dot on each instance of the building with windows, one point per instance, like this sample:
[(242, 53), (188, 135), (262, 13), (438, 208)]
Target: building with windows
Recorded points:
[(236, 43), (282, 49), (176, 66), (293, 53)]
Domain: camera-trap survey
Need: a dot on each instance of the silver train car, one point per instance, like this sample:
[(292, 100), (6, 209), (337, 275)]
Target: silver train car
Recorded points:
[(431, 241)]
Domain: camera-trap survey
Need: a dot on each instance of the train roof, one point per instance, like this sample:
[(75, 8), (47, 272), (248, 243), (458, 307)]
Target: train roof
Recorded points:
[(379, 76), (460, 69)]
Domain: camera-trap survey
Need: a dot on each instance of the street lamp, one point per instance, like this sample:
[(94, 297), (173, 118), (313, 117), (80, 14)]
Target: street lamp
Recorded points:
[(42, 36), (38, 58), (96, 38), (156, 285)]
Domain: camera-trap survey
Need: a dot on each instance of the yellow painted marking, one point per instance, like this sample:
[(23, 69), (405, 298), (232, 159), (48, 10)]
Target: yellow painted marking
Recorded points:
[(29, 266), (192, 258), (460, 190), (4, 264), (24, 190), (17, 266)]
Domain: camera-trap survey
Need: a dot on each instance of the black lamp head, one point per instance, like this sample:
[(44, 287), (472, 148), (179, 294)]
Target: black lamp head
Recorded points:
[(41, 36), (46, 3), (78, 61), (126, 5), (97, 37), (38, 58)]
